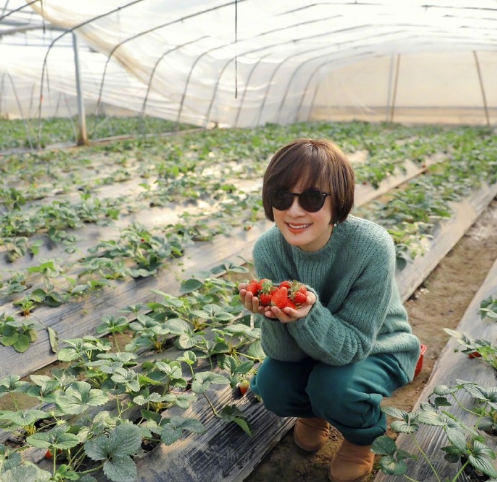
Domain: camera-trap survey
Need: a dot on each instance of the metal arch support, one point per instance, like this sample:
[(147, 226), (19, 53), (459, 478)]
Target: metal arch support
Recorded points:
[(293, 75), (482, 87), (71, 30), (187, 83), (161, 58), (146, 32), (310, 78), (257, 50), (247, 83), (283, 99), (19, 106), (226, 45), (316, 70), (219, 80)]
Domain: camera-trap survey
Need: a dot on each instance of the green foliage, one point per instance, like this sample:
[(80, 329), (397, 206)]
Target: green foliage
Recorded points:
[(18, 334), (466, 444)]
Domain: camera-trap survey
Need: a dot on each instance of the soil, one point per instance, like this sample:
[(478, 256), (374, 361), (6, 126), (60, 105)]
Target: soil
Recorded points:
[(440, 302)]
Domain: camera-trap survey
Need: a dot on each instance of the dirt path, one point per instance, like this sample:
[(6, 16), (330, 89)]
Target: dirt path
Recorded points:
[(439, 303)]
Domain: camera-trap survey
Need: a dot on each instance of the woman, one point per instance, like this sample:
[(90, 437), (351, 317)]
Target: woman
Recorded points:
[(333, 358)]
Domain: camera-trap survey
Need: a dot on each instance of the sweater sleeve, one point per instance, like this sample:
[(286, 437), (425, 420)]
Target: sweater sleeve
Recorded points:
[(276, 340), (348, 334)]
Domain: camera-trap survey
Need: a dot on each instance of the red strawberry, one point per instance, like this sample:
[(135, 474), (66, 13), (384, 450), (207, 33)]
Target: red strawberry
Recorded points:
[(266, 292), (281, 300), (298, 293), (474, 354), (254, 286), (243, 386), (299, 298), (48, 454), (285, 284)]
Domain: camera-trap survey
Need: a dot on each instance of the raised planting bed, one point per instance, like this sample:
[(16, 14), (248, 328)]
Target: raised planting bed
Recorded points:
[(231, 453), (189, 462), (74, 319), (225, 452), (461, 380)]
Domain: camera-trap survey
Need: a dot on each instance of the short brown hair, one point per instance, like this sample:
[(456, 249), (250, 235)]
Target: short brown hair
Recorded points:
[(316, 164)]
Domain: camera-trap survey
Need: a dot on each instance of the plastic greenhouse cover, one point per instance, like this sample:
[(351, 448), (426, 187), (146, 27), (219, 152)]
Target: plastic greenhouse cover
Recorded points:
[(248, 62)]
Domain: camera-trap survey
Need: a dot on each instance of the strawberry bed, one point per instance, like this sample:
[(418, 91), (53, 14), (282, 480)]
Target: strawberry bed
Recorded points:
[(171, 288)]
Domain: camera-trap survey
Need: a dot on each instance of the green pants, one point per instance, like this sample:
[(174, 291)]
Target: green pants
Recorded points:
[(347, 396)]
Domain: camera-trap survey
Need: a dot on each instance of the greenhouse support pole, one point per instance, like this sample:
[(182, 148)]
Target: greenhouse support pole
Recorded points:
[(82, 134), (1, 94), (392, 109), (389, 92), (485, 106)]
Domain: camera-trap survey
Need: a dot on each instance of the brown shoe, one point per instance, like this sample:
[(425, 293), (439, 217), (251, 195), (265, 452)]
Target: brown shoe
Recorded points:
[(352, 463), (310, 434)]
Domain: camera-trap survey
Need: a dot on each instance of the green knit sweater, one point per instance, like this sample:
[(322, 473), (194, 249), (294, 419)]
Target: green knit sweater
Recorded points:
[(358, 311)]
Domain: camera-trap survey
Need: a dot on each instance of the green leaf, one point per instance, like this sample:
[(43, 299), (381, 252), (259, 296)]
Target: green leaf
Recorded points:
[(431, 418), (9, 340), (38, 295), (54, 339), (395, 412), (121, 469), (26, 417), (243, 368), (22, 343), (188, 357), (224, 316), (202, 381), (187, 341), (170, 434), (25, 473), (243, 425), (483, 464), (384, 445), (177, 326), (255, 351), (79, 396), (125, 439), (456, 437), (54, 439), (173, 428), (191, 285), (390, 466), (403, 427)]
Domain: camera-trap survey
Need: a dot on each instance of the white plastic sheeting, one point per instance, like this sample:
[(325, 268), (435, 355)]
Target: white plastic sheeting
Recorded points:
[(248, 62)]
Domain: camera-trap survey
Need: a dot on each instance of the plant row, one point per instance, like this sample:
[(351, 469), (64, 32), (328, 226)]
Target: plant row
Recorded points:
[(410, 217), (41, 173), (463, 411), (39, 133), (104, 408)]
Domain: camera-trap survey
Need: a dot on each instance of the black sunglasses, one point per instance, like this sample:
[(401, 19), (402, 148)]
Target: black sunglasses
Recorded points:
[(311, 200)]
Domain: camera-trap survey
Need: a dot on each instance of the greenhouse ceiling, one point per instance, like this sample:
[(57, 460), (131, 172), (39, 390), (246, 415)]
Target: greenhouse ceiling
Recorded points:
[(249, 62)]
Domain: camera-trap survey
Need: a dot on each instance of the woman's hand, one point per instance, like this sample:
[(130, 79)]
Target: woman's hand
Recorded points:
[(250, 301), (286, 315)]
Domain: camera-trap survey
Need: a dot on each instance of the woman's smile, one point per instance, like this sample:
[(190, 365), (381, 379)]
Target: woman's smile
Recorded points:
[(297, 228)]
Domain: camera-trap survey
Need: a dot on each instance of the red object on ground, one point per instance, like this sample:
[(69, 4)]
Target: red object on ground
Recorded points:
[(419, 365)]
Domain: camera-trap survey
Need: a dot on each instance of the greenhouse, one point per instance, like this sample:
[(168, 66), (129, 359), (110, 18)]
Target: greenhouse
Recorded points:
[(201, 197)]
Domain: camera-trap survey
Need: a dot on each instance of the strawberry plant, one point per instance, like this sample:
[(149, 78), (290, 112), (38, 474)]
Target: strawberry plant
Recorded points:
[(488, 308), (484, 350), (18, 334), (466, 444)]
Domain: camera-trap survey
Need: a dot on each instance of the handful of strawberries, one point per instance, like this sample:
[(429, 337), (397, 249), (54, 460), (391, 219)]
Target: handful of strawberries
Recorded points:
[(289, 294)]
